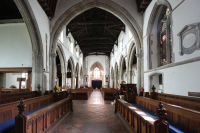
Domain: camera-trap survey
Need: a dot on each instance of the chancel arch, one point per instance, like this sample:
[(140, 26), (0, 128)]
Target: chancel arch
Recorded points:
[(109, 6), (159, 35), (97, 75)]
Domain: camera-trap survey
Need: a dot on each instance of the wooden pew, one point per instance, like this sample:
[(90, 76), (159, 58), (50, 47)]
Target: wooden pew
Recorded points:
[(9, 111), (184, 117), (107, 93), (139, 121), (184, 101), (81, 94), (43, 120), (13, 90), (11, 97)]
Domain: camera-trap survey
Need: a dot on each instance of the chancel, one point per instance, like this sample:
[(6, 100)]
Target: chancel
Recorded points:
[(103, 66)]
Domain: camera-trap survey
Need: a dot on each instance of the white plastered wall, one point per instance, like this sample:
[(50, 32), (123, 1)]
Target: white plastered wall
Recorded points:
[(15, 46), (177, 79)]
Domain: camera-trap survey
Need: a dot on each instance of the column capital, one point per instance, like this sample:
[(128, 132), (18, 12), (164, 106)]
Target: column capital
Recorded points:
[(52, 55), (37, 55), (138, 55)]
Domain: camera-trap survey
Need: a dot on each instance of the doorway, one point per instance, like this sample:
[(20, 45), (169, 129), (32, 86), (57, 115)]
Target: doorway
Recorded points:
[(96, 84)]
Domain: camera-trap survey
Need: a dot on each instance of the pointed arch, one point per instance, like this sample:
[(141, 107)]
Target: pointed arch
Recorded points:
[(131, 51), (150, 28), (72, 64), (96, 64), (107, 5), (61, 54)]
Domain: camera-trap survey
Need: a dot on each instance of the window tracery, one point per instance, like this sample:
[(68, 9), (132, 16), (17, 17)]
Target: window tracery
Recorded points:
[(96, 73)]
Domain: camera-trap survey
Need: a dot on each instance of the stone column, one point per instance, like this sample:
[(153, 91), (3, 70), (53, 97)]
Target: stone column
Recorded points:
[(63, 79), (52, 70), (73, 81), (37, 71), (115, 82), (129, 78), (139, 56)]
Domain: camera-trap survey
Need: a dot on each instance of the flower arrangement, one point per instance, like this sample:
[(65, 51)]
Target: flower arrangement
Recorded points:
[(57, 88)]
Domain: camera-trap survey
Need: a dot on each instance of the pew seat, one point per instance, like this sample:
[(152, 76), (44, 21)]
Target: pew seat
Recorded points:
[(173, 128), (5, 126)]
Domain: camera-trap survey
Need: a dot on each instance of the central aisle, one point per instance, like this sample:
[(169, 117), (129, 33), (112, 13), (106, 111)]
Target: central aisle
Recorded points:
[(92, 116)]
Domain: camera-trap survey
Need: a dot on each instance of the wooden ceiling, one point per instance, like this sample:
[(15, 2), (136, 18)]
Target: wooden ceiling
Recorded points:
[(49, 6), (96, 31), (142, 5), (9, 10)]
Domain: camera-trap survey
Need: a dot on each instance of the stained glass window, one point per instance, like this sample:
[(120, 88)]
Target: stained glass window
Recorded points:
[(164, 35), (96, 73)]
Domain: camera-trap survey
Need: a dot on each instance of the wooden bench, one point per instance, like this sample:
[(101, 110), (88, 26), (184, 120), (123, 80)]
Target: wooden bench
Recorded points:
[(81, 94), (184, 101), (9, 111), (139, 121), (184, 117), (11, 97), (107, 93), (13, 90), (43, 120)]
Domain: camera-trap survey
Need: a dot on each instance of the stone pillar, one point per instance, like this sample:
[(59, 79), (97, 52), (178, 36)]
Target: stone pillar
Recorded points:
[(73, 81), (129, 78), (115, 82), (79, 79), (37, 71), (52, 70), (139, 56), (63, 79)]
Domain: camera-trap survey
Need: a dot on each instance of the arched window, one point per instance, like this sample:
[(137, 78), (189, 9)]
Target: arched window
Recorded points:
[(165, 37), (96, 73)]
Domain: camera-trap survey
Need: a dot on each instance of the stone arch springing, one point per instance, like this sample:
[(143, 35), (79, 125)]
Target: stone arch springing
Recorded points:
[(36, 41), (153, 21), (155, 82)]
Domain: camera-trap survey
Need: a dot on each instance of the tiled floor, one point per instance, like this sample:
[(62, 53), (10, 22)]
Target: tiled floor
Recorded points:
[(93, 110)]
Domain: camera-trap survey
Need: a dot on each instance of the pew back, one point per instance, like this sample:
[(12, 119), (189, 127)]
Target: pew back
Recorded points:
[(9, 111), (184, 117), (184, 101), (139, 121), (41, 120), (11, 97)]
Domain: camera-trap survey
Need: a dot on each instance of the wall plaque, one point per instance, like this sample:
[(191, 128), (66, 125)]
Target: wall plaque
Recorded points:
[(189, 38)]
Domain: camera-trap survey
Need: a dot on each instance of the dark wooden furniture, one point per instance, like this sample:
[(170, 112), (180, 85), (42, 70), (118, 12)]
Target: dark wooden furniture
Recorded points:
[(108, 93), (11, 97), (43, 119), (9, 110), (139, 121), (81, 94), (184, 101), (195, 94), (187, 118)]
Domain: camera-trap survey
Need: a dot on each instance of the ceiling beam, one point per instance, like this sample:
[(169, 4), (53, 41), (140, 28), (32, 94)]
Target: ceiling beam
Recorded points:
[(94, 22)]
